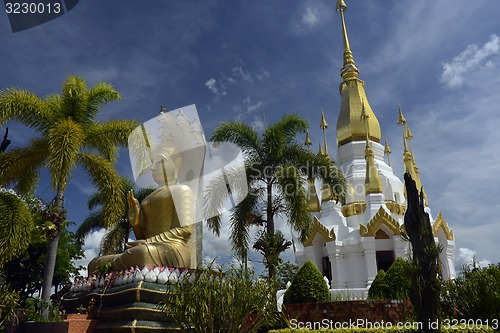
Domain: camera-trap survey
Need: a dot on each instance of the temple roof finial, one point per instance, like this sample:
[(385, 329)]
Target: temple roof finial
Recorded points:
[(308, 141), (352, 90), (373, 184), (320, 152), (388, 151), (402, 123), (349, 70), (324, 126), (408, 137)]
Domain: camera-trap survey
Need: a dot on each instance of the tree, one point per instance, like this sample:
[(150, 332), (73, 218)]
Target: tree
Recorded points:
[(271, 246), (285, 272), (69, 136), (25, 272), (424, 267), (118, 234), (474, 294), (277, 169), (16, 224), (308, 286)]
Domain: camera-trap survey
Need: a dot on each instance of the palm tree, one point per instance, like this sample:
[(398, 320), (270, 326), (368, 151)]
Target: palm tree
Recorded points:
[(69, 136), (277, 169), (117, 235)]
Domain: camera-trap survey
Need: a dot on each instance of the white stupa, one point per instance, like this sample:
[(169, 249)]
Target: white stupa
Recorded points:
[(354, 239)]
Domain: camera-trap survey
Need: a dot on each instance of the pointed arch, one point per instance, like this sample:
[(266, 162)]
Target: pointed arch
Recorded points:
[(381, 218), (319, 228), (440, 223)]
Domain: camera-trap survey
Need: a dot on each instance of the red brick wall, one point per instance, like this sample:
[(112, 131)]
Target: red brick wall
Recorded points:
[(345, 311)]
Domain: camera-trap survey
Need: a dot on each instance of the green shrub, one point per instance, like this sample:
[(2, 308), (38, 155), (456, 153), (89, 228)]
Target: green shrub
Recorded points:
[(34, 307), (9, 300), (216, 300), (378, 288), (474, 294), (394, 284), (308, 286)]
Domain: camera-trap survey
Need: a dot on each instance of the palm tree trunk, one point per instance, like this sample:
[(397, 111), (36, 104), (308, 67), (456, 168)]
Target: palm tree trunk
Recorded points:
[(50, 260), (270, 225), (270, 219)]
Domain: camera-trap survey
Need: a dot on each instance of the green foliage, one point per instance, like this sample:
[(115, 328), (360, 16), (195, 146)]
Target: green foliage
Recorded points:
[(16, 225), (285, 272), (103, 268), (215, 300), (69, 136), (9, 301), (276, 168), (25, 272), (271, 245), (34, 308), (474, 294), (395, 284), (378, 288), (308, 286)]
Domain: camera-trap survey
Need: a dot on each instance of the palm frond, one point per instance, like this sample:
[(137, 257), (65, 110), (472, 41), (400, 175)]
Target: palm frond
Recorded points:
[(65, 140), (16, 224), (241, 135), (95, 200), (292, 186), (243, 216), (278, 136), (106, 179), (106, 137), (100, 94), (92, 222), (24, 106), (74, 98), (19, 167), (115, 238)]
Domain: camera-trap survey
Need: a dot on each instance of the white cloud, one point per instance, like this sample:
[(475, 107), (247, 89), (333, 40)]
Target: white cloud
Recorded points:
[(215, 87), (241, 73), (91, 249), (262, 74), (468, 256), (310, 17), (468, 60), (257, 124)]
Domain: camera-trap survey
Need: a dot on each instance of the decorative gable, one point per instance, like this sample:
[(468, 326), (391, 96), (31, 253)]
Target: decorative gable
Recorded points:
[(319, 228), (441, 223), (381, 218)]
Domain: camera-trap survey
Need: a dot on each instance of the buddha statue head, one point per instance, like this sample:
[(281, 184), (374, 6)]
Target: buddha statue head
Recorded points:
[(166, 165)]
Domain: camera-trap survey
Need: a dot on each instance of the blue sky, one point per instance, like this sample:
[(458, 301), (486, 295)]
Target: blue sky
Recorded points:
[(255, 61)]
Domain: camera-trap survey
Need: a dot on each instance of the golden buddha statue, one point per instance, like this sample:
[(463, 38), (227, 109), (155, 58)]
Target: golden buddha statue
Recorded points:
[(161, 223), (166, 152)]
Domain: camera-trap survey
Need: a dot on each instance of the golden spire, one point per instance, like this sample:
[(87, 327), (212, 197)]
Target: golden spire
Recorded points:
[(408, 158), (373, 184), (408, 137), (352, 90), (387, 151), (349, 71), (402, 123), (308, 141), (320, 152), (324, 127)]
